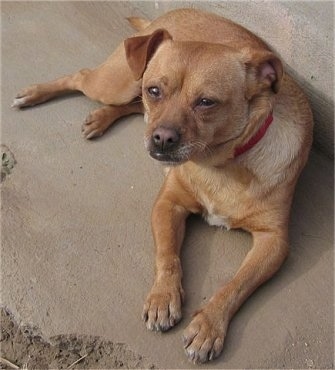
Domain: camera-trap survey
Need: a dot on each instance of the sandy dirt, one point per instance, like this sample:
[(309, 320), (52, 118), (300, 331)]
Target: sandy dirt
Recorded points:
[(26, 347)]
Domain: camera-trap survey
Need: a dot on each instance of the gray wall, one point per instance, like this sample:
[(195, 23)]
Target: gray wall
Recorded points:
[(300, 31)]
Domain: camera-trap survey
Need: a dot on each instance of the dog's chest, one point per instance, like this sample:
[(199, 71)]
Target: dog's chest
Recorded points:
[(213, 217), (217, 220)]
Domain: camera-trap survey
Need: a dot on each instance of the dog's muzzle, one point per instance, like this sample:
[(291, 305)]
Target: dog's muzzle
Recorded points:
[(164, 145)]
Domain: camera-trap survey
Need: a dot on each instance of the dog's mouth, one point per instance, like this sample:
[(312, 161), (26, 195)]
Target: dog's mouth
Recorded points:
[(178, 155), (168, 158), (166, 148), (174, 153)]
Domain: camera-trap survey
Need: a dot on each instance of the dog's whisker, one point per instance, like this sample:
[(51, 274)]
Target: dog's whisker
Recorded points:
[(137, 100), (202, 146)]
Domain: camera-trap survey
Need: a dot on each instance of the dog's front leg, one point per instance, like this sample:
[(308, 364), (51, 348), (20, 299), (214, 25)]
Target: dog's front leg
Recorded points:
[(162, 309), (204, 336)]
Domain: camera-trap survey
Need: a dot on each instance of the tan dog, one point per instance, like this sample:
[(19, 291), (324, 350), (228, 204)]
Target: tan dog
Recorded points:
[(235, 132)]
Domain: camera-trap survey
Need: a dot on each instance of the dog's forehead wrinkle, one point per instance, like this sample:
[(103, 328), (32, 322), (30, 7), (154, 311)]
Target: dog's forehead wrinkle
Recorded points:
[(197, 73)]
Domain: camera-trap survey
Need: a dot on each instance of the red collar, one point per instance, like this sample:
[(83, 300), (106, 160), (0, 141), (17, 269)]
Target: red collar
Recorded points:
[(256, 138)]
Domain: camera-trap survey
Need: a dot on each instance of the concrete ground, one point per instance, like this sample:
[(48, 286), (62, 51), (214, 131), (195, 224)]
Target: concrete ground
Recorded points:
[(77, 251)]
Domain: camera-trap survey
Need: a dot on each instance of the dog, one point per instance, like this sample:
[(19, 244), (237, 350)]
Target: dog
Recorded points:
[(234, 132)]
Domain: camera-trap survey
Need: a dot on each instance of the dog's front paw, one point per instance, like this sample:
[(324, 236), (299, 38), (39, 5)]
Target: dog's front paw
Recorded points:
[(162, 309), (97, 122), (203, 338)]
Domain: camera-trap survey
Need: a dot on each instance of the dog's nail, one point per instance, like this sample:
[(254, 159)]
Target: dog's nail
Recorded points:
[(211, 355), (18, 102), (165, 327), (92, 134), (150, 326), (191, 355)]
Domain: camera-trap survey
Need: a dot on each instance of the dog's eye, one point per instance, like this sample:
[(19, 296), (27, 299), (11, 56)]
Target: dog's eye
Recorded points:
[(154, 91), (204, 102)]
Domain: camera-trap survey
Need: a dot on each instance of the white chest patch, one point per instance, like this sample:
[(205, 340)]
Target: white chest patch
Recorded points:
[(212, 216), (216, 220)]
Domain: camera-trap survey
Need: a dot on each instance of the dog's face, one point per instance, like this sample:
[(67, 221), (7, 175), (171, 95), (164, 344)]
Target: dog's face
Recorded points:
[(196, 95), (192, 104)]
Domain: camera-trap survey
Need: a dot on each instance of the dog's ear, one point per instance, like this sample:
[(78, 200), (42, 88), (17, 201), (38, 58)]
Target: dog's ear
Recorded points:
[(140, 49), (264, 71)]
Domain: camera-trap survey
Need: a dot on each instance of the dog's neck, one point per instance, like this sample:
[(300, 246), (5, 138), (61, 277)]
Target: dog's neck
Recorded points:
[(255, 138), (231, 150)]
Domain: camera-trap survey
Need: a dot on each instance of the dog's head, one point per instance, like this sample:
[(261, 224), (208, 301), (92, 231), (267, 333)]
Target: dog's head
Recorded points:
[(199, 97)]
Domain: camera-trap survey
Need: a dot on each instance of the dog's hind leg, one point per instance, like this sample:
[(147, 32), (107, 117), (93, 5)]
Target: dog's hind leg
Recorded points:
[(40, 93), (111, 83)]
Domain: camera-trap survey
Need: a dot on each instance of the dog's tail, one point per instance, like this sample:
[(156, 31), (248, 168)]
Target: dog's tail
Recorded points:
[(138, 23)]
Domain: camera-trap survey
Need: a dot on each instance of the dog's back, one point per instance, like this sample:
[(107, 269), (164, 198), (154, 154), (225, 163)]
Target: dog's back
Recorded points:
[(195, 25)]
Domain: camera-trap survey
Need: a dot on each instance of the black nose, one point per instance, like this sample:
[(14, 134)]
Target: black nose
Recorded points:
[(165, 138)]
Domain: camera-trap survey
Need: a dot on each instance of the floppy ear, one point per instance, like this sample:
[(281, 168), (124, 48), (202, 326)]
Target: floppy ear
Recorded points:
[(264, 71), (140, 49)]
